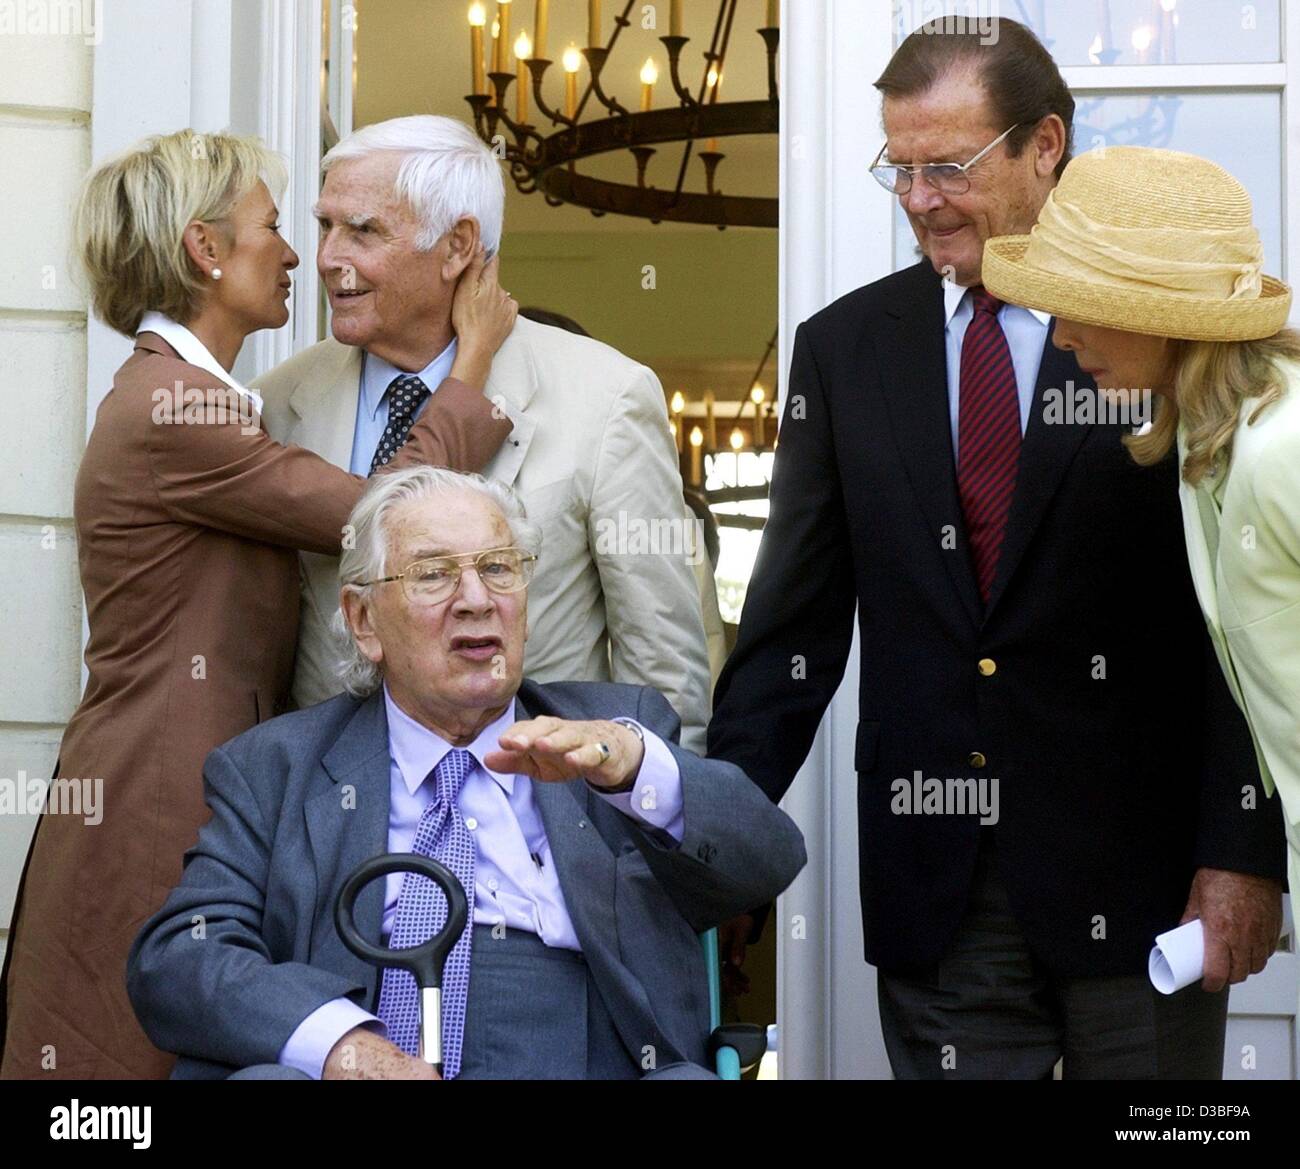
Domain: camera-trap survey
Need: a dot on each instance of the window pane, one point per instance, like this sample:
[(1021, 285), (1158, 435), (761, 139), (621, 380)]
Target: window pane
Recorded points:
[(1154, 32), (1210, 125), (738, 547)]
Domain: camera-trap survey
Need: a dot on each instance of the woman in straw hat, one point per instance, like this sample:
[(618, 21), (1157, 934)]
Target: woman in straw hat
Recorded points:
[(188, 520), (1152, 266)]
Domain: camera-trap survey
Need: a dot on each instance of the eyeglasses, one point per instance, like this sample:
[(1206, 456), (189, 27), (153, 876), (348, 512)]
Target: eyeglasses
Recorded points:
[(948, 178), (429, 581)]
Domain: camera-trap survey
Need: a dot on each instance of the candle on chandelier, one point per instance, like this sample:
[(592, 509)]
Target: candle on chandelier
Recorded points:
[(678, 408), (540, 23), (523, 50), (649, 75), (758, 395), (675, 19), (697, 456), (572, 63), (477, 19), (502, 61), (593, 23), (773, 13)]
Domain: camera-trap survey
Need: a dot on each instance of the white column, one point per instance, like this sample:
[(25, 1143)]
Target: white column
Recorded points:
[(836, 235)]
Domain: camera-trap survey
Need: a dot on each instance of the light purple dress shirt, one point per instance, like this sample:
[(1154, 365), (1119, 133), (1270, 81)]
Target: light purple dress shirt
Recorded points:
[(515, 881)]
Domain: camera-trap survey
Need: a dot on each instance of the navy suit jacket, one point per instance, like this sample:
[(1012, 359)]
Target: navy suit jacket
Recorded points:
[(299, 801)]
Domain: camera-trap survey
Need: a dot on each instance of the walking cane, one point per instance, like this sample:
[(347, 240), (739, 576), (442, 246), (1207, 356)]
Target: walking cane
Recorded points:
[(425, 961)]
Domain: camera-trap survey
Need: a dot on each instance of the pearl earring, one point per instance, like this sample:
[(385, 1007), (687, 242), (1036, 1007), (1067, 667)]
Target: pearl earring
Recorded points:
[(216, 273)]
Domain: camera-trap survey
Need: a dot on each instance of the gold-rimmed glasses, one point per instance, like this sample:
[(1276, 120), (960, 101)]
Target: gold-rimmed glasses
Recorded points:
[(433, 579)]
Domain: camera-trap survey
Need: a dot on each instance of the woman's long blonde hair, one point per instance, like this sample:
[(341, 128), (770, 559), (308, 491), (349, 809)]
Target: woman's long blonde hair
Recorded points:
[(1214, 381)]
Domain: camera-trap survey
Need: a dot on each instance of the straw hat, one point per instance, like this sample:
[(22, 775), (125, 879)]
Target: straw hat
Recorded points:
[(1148, 241)]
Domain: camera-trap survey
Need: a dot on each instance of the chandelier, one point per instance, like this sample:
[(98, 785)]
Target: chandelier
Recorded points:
[(545, 154)]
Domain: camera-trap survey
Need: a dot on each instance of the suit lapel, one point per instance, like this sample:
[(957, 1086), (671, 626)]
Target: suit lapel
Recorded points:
[(512, 384), (916, 382), (326, 404), (583, 860), (1201, 532), (347, 823), (1044, 458)]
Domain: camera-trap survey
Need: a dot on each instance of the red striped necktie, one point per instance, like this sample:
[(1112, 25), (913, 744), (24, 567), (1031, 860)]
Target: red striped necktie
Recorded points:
[(988, 436)]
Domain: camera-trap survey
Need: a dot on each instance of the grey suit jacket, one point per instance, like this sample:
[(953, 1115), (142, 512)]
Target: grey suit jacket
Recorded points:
[(245, 947)]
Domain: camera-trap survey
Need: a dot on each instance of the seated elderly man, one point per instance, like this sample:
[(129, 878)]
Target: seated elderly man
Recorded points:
[(592, 847)]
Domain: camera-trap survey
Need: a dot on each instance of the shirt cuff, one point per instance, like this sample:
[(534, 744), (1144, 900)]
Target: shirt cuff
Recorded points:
[(313, 1039), (656, 798)]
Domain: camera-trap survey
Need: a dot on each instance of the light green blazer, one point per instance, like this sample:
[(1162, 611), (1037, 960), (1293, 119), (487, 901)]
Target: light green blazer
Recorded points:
[(1243, 543)]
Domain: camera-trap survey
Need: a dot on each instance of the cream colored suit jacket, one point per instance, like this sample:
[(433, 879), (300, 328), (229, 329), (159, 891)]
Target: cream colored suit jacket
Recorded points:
[(1244, 550), (592, 459)]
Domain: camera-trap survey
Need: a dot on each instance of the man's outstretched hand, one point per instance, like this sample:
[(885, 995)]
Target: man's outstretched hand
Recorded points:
[(606, 754)]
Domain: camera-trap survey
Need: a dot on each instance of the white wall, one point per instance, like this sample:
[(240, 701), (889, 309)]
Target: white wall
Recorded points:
[(45, 101)]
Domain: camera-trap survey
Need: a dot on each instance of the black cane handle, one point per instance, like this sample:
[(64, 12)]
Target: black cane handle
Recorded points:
[(424, 961)]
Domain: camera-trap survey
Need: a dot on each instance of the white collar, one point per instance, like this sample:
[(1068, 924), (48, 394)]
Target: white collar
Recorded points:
[(954, 294), (192, 350)]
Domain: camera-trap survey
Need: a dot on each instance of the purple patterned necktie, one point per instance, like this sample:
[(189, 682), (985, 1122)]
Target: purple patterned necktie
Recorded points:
[(422, 911)]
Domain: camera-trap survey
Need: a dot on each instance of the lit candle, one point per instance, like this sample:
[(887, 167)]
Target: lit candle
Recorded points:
[(649, 75), (496, 46), (523, 50), (710, 421), (773, 13), (675, 19), (477, 19), (678, 407), (543, 7), (593, 23), (758, 396), (697, 455), (503, 37), (572, 63)]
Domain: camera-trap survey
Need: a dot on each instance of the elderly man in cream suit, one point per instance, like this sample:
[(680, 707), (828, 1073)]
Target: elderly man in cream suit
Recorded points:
[(405, 206)]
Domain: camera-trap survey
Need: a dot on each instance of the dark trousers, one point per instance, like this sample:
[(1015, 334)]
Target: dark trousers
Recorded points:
[(990, 1010)]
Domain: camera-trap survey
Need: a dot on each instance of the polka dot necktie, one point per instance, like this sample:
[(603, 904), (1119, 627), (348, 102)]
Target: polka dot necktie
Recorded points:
[(405, 395), (988, 436), (422, 912)]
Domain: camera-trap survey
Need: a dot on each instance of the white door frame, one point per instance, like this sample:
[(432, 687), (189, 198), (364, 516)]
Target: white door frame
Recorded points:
[(835, 236)]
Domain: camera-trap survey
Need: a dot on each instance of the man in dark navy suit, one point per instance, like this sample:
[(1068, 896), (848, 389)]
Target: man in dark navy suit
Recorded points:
[(1028, 630)]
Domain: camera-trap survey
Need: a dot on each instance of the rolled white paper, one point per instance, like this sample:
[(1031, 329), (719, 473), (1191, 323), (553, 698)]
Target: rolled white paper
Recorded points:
[(1178, 958)]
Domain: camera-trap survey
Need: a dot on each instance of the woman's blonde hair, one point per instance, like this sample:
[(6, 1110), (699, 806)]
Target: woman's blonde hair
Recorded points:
[(131, 219), (1213, 382)]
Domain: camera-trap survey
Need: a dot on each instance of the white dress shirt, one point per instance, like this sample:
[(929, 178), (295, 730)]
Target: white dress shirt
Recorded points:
[(1026, 332), (515, 882)]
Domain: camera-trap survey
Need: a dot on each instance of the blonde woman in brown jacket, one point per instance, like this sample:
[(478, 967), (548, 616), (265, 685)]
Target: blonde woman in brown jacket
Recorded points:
[(189, 519)]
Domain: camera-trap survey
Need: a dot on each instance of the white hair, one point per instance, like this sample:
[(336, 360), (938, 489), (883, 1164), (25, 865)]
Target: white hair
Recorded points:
[(365, 553), (448, 174)]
